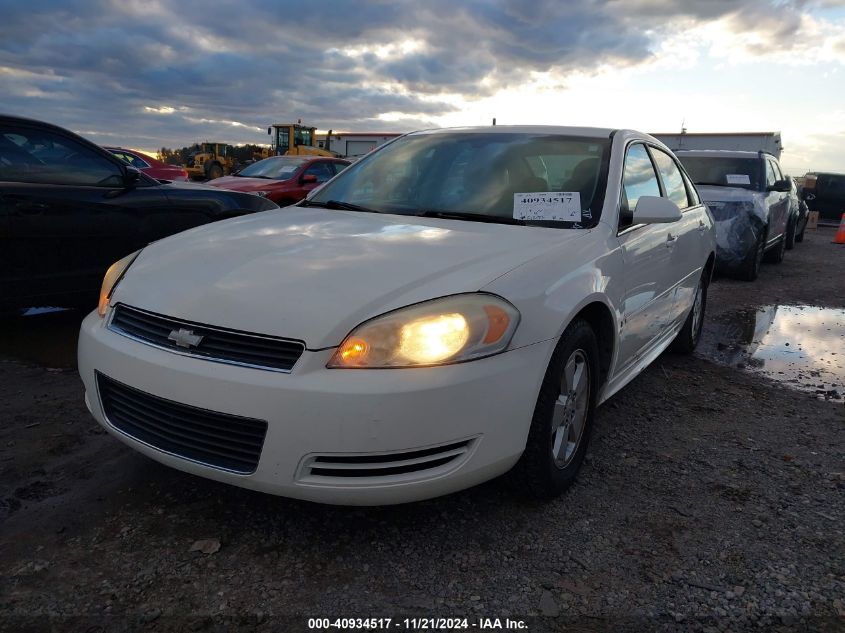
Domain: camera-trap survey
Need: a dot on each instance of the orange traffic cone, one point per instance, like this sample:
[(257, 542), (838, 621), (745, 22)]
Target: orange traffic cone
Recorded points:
[(840, 234)]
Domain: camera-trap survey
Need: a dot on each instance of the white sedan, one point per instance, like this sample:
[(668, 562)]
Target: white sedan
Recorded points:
[(452, 306)]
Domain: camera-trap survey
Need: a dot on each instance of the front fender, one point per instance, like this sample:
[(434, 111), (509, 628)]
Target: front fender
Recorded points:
[(550, 290)]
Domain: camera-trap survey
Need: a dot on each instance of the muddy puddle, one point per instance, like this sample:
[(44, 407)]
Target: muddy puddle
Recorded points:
[(43, 336), (800, 346)]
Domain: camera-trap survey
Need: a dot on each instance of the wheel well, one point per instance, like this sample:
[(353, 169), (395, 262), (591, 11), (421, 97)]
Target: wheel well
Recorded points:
[(599, 317), (708, 267)]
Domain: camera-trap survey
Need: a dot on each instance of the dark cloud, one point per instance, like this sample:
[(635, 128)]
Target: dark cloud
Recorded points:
[(228, 71)]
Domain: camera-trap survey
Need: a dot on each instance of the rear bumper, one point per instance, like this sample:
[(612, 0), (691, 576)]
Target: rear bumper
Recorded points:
[(484, 405)]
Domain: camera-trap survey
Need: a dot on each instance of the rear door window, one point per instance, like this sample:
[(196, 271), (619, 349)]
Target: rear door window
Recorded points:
[(131, 159), (338, 167), (322, 170), (692, 193), (673, 182)]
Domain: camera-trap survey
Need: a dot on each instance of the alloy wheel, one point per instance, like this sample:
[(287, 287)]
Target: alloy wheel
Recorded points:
[(570, 410)]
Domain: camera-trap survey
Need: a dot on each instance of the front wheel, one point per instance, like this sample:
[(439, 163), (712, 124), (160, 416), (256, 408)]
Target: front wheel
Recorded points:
[(690, 333), (563, 417)]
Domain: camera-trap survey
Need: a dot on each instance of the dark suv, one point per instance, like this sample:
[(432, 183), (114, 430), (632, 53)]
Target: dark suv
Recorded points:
[(69, 209), (752, 202), (825, 193)]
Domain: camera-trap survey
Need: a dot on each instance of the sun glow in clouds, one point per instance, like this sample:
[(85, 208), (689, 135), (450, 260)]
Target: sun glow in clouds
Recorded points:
[(393, 50)]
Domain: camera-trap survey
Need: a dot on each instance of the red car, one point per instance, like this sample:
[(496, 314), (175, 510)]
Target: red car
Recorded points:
[(149, 165), (283, 179)]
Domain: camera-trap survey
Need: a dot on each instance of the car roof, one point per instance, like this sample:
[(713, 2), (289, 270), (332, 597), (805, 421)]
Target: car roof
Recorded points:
[(623, 135), (23, 119), (589, 132), (721, 153)]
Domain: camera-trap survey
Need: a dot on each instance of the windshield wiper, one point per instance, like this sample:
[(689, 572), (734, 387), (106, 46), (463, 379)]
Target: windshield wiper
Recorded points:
[(472, 217), (338, 205)]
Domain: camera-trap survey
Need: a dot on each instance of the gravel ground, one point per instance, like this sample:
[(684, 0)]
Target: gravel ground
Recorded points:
[(711, 500)]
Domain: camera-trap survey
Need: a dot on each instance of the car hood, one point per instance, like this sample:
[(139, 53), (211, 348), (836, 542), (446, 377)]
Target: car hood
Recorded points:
[(190, 184), (205, 199), (241, 183), (726, 203), (314, 274)]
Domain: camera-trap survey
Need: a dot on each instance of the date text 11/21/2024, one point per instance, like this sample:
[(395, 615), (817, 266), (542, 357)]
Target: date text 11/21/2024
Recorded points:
[(418, 624)]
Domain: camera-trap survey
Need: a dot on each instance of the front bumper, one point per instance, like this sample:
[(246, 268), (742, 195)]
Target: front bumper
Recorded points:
[(485, 404), (736, 241)]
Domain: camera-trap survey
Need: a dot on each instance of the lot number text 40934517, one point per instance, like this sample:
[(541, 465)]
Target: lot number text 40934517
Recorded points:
[(418, 624)]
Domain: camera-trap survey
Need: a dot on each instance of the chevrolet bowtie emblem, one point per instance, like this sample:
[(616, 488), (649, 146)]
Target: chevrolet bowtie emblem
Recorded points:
[(184, 338)]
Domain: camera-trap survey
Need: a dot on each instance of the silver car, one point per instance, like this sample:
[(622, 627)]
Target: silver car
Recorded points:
[(750, 200)]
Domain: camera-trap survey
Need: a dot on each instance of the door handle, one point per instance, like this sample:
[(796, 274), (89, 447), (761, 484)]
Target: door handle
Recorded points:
[(31, 207), (670, 240), (701, 226)]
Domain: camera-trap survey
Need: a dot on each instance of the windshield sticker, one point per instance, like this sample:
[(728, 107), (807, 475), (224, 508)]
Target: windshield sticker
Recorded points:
[(555, 206), (738, 179)]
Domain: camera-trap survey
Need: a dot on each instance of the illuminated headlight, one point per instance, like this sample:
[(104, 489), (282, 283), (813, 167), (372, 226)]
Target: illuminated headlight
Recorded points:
[(113, 276), (448, 330)]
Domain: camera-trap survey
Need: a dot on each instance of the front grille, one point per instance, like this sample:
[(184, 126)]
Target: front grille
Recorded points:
[(227, 346), (215, 439), (385, 464)]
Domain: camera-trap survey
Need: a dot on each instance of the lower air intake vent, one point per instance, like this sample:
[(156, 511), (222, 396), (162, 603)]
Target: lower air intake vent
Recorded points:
[(220, 440), (385, 464)]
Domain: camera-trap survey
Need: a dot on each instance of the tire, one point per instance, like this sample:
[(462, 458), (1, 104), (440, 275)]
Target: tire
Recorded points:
[(789, 237), (690, 333), (556, 444), (775, 255), (800, 237), (215, 171), (751, 268)]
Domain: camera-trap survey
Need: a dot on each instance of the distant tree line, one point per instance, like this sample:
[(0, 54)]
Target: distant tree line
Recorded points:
[(242, 154)]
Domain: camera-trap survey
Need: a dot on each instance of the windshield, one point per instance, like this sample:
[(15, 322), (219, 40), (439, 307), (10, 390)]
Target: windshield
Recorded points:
[(480, 173), (278, 168), (723, 171)]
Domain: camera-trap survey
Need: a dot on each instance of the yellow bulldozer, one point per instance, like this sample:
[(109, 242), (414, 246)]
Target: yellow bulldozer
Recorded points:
[(210, 161), (295, 139)]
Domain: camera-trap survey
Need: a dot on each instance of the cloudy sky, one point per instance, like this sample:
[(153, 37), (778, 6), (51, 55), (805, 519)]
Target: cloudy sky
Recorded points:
[(149, 73)]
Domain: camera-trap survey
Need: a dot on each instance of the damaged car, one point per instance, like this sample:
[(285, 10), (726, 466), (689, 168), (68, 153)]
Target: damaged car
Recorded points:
[(751, 201)]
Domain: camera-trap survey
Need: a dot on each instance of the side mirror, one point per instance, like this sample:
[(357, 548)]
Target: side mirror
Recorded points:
[(781, 186), (308, 178), (656, 210), (131, 177)]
